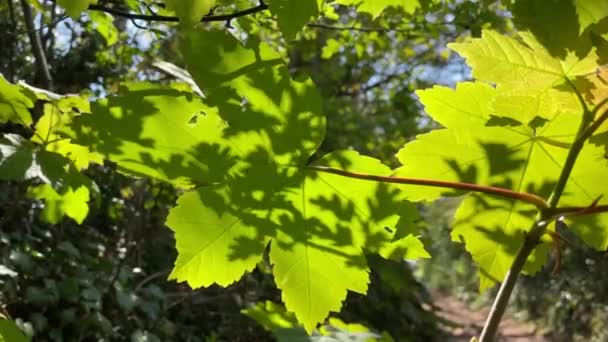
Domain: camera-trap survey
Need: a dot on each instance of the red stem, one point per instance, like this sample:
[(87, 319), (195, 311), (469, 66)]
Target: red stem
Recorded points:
[(502, 192)]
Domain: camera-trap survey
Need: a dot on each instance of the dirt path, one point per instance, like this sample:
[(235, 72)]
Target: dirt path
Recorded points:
[(470, 322)]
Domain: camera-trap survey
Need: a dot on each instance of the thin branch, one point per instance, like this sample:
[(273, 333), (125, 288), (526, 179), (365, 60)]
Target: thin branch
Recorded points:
[(164, 18), (39, 29), (594, 126), (37, 49), (579, 211), (501, 192), (359, 29), (13, 45), (506, 288)]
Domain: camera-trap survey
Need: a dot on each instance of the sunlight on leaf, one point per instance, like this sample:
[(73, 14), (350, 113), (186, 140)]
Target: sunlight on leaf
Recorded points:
[(14, 104)]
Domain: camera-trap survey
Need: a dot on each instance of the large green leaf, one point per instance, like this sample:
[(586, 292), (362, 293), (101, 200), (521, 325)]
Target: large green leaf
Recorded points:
[(253, 91), (472, 149), (523, 64), (318, 225), (156, 131), (14, 104), (248, 144)]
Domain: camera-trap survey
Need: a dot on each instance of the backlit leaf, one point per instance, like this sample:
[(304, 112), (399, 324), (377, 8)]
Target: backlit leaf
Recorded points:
[(510, 63), (590, 12), (517, 157), (70, 202), (155, 131), (14, 104)]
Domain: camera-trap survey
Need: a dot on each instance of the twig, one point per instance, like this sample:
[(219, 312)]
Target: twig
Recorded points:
[(360, 29), (164, 18), (149, 278), (37, 49), (13, 45)]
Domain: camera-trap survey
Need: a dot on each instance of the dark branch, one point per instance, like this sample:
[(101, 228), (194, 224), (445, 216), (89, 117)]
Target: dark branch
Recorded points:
[(37, 49), (360, 29), (163, 18)]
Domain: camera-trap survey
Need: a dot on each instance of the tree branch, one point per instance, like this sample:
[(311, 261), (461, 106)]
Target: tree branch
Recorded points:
[(163, 18), (37, 49), (501, 192), (532, 239), (13, 47), (362, 29)]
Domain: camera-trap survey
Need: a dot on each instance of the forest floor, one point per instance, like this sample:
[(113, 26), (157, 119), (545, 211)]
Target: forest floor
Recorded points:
[(468, 322)]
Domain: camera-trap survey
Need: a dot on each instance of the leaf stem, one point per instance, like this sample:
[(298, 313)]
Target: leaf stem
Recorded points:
[(502, 192)]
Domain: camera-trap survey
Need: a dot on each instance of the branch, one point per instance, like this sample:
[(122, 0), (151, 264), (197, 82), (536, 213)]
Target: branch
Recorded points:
[(37, 49), (359, 29), (13, 45), (506, 288), (532, 239), (501, 192), (164, 18), (579, 211), (594, 126)]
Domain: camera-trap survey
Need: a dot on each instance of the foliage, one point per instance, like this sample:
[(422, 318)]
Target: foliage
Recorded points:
[(255, 181)]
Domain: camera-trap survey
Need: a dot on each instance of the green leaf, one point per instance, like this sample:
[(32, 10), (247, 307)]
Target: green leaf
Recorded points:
[(207, 239), (9, 332), (72, 203), (524, 105), (65, 190), (468, 104), (517, 157), (190, 12), (331, 48), (56, 116), (511, 63), (271, 316), (493, 231), (253, 91), (103, 23), (250, 139), (14, 104), (293, 15), (156, 131), (376, 7), (590, 12), (22, 160), (317, 231), (75, 7)]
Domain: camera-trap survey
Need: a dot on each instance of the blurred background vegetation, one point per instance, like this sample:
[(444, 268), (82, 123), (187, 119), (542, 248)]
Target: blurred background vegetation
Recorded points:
[(106, 279)]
